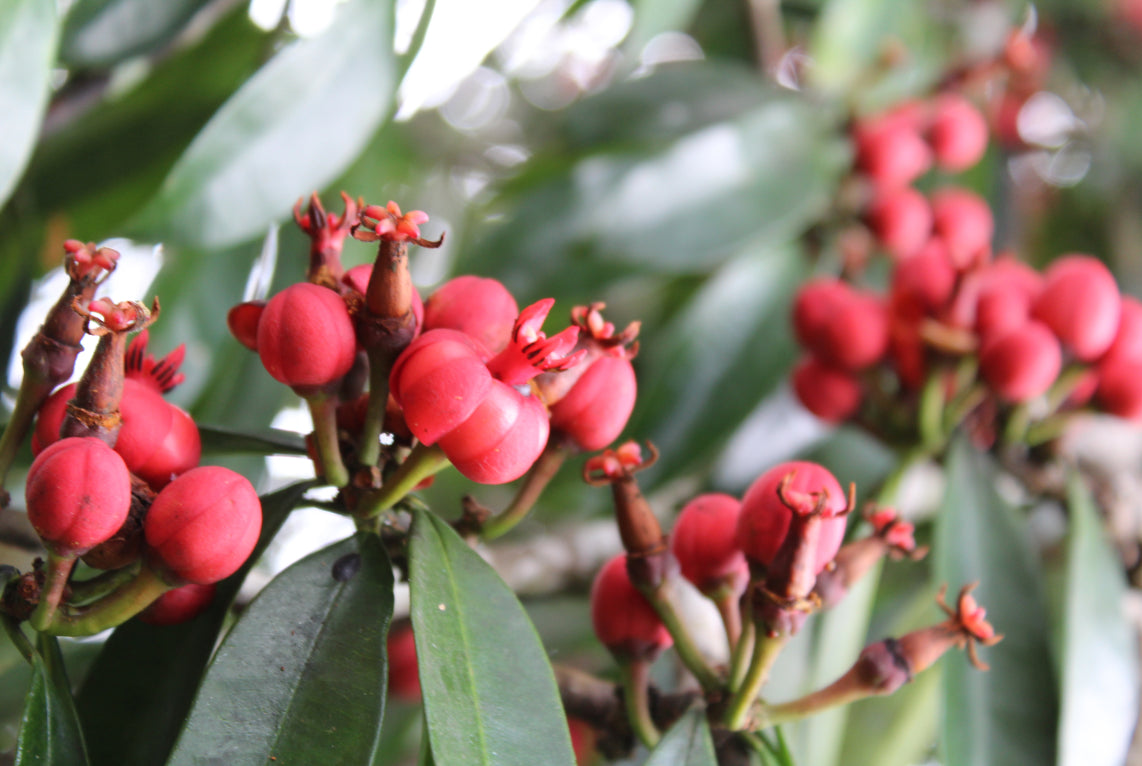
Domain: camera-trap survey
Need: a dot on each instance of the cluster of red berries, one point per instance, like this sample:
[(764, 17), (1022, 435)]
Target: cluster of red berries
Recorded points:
[(471, 374), (1021, 326)]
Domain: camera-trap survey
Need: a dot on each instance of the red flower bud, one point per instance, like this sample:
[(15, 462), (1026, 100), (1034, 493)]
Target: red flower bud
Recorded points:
[(501, 439), (305, 336), (596, 409), (179, 605), (624, 620), (1081, 304), (479, 307), (765, 516), (958, 134), (1022, 363), (704, 543), (78, 495), (203, 526)]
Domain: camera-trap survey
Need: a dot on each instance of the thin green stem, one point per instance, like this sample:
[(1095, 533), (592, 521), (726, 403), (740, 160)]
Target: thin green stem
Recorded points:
[(729, 608), (662, 599), (55, 580), (323, 410), (19, 640), (422, 462), (739, 661), (844, 690), (635, 679), (369, 448), (538, 477), (33, 391), (94, 588), (765, 651), (931, 415), (115, 609)]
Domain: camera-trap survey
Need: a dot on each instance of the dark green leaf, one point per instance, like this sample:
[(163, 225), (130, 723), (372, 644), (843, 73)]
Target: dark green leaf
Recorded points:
[(688, 743), (489, 692), (105, 32), (717, 359), (138, 693), (269, 441), (1008, 714), (302, 677), (274, 141), (28, 32), (49, 731), (1099, 658)]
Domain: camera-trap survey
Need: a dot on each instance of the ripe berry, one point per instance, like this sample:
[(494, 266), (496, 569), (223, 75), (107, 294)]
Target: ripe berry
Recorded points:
[(1118, 391), (901, 219), (1021, 363), (958, 133), (179, 605), (1006, 290), (623, 619), (202, 527), (1081, 304), (502, 437), (78, 494), (596, 409), (1127, 343), (404, 675), (831, 394), (963, 220), (923, 284), (765, 519), (890, 151), (703, 542), (305, 336), (480, 307), (844, 327)]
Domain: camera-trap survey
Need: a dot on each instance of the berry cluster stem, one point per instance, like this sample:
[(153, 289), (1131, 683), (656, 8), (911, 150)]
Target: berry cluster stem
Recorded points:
[(323, 410), (33, 391), (662, 599), (422, 462), (115, 609), (635, 680), (537, 479), (58, 569), (765, 651)]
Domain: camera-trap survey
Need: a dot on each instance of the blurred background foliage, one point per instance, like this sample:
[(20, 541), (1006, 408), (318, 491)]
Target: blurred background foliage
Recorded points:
[(663, 156)]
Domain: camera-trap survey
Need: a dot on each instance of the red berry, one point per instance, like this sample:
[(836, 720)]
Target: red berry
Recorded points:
[(963, 220), (923, 284), (703, 542), (482, 308), (404, 673), (439, 380), (596, 409), (502, 437), (1081, 304), (1118, 390), (623, 619), (180, 450), (305, 336), (1006, 289), (1127, 343), (178, 605), (203, 526), (1022, 363), (901, 219), (765, 519), (958, 134), (831, 394), (890, 151), (243, 322), (78, 494), (846, 328)]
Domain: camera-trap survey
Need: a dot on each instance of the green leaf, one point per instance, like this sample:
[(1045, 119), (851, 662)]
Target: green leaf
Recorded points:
[(28, 33), (688, 743), (274, 141), (1099, 657), (140, 689), (302, 677), (105, 32), (269, 441), (489, 693), (1008, 714), (49, 731), (653, 17), (718, 358)]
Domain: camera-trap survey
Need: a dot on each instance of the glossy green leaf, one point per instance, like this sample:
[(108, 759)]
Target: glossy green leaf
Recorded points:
[(302, 677), (489, 692), (764, 175), (28, 34), (1100, 656), (105, 32), (653, 17), (49, 730), (687, 743), (718, 358), (273, 141), (139, 691), (1008, 714), (268, 441)]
